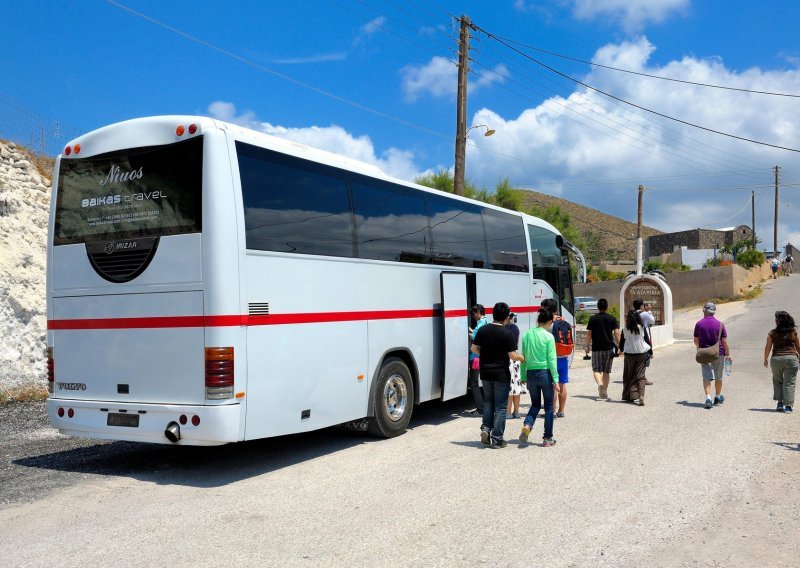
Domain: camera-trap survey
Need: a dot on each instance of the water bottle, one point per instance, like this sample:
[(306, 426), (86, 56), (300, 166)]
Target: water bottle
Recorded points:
[(728, 367)]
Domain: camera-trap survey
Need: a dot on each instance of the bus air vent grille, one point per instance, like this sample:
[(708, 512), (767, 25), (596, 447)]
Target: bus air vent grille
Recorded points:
[(123, 260), (259, 309)]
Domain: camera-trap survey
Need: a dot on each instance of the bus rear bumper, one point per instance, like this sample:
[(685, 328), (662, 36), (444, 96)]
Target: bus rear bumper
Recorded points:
[(219, 424)]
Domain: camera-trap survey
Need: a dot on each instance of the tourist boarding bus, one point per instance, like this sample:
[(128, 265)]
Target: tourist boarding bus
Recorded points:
[(209, 284)]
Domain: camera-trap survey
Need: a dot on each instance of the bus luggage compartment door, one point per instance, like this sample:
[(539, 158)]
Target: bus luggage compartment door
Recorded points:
[(130, 347), (455, 334)]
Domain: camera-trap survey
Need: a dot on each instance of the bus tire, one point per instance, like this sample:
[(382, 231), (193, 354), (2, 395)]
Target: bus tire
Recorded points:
[(392, 400)]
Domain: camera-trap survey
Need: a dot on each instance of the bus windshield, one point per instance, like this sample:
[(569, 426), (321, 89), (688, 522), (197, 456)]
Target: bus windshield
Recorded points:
[(138, 192)]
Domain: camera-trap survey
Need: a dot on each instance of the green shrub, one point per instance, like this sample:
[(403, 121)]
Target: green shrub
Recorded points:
[(582, 317), (750, 258), (614, 311)]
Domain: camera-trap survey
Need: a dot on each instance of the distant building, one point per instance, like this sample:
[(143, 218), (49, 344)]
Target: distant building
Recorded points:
[(697, 239)]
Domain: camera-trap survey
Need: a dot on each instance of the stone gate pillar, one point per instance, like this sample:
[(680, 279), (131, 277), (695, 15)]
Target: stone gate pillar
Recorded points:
[(655, 291)]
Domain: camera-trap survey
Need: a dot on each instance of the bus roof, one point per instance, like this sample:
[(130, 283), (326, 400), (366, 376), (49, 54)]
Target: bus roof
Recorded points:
[(162, 130)]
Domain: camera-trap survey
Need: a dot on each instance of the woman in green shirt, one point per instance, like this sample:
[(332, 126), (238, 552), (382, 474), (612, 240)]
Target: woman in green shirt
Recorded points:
[(540, 368)]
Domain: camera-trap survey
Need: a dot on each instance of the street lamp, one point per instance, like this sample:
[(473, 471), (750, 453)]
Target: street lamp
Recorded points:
[(461, 150)]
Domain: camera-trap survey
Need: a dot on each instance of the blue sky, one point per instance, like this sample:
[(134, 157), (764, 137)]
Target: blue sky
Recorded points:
[(375, 80)]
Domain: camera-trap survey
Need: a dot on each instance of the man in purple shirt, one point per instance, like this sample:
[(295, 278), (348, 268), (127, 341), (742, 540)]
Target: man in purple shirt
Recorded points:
[(706, 332)]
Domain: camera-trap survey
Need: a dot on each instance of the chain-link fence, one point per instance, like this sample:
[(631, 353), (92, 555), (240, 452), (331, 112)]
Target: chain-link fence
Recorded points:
[(26, 127)]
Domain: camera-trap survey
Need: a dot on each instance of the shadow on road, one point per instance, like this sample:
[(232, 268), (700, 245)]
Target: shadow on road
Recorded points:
[(216, 466), (793, 446), (691, 404), (770, 410)]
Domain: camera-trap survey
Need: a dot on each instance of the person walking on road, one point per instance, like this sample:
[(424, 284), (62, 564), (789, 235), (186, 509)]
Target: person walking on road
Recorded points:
[(518, 387), (785, 346), (478, 315), (603, 338), (708, 332), (775, 264), (562, 333), (643, 309), (496, 348), (539, 352), (635, 346), (788, 265)]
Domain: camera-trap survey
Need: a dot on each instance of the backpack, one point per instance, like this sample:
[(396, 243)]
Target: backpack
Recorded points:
[(562, 331)]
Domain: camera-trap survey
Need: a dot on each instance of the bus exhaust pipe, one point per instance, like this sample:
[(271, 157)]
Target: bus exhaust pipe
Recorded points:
[(173, 432)]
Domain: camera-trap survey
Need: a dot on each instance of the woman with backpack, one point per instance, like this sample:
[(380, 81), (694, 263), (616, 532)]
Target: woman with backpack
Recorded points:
[(635, 345)]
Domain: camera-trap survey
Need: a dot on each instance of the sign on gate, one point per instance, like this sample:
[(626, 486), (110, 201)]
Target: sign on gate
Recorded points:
[(644, 289)]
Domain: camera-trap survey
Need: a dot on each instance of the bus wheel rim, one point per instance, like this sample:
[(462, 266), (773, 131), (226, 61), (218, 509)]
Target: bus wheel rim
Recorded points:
[(395, 397)]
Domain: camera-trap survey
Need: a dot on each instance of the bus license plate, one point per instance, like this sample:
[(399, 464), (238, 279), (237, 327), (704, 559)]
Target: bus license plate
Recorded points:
[(129, 420)]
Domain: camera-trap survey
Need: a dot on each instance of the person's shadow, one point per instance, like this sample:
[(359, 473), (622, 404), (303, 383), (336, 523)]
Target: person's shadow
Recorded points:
[(691, 404)]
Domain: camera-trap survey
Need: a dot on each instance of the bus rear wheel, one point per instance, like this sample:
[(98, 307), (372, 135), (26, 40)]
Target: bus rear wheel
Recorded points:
[(392, 400)]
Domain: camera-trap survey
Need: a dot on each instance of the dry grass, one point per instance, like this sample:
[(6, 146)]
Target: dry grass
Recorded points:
[(29, 393), (43, 164)]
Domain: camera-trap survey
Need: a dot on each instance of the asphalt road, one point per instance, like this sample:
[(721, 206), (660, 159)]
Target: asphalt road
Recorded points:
[(668, 484)]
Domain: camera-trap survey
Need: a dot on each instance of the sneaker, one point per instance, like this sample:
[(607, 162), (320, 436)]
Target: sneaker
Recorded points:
[(648, 383), (475, 412), (779, 408), (641, 402), (515, 415), (788, 409), (719, 400), (547, 442), (708, 404), (485, 439), (523, 436), (559, 415), (497, 444)]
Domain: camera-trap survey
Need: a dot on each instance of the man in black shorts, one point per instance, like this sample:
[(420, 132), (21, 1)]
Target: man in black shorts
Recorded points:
[(603, 338)]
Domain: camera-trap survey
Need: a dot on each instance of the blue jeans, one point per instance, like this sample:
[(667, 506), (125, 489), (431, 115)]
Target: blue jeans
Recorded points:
[(495, 403), (540, 385)]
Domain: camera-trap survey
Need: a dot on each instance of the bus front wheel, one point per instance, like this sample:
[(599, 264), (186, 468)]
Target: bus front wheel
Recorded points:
[(392, 400)]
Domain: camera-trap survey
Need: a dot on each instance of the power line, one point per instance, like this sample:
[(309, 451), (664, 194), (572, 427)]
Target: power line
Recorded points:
[(592, 63), (278, 74), (586, 85)]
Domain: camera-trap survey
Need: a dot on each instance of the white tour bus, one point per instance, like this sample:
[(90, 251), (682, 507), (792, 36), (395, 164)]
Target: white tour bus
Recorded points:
[(207, 284)]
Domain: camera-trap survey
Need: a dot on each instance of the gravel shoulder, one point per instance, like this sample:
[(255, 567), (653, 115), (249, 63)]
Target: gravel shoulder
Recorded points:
[(669, 484)]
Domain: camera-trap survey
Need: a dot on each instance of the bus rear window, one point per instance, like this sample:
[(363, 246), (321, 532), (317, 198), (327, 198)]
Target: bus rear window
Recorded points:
[(139, 192)]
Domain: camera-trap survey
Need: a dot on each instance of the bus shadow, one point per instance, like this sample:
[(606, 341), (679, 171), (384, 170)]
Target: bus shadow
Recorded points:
[(217, 466)]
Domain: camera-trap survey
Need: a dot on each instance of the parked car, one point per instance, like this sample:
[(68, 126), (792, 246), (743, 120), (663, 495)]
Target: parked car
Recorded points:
[(586, 304)]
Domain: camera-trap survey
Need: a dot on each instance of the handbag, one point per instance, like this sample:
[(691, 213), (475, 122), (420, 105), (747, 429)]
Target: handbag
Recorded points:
[(709, 354)]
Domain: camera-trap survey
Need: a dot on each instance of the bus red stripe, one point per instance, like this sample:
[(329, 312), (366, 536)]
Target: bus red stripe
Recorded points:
[(244, 320)]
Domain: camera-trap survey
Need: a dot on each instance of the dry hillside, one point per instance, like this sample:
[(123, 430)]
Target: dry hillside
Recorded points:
[(606, 237)]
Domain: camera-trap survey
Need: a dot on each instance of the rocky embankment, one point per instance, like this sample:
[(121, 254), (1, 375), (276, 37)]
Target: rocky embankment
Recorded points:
[(24, 209)]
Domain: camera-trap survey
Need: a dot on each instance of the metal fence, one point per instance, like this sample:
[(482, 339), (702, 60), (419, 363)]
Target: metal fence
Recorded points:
[(26, 127)]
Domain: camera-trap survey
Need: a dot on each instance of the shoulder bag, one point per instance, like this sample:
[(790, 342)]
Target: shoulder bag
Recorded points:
[(709, 354)]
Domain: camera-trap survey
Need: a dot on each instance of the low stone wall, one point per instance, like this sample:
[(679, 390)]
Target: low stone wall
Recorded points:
[(692, 287)]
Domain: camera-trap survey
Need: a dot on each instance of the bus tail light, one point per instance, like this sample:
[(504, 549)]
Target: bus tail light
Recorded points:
[(192, 128), (219, 373), (51, 370), (180, 130)]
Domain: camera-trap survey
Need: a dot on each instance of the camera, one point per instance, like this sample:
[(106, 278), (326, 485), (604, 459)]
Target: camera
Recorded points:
[(513, 317)]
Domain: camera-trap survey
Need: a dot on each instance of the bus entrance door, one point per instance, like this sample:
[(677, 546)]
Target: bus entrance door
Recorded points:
[(455, 333)]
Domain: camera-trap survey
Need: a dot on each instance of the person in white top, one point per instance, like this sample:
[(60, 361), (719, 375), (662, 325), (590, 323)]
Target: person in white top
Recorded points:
[(643, 309), (636, 348)]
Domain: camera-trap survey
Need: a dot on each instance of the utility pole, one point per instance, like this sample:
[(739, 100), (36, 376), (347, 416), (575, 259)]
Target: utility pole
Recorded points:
[(461, 106), (639, 262), (753, 208), (775, 230)]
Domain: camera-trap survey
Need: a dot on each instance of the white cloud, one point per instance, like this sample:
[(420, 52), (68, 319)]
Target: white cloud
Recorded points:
[(394, 161), (439, 78), (565, 145), (317, 58), (368, 29), (632, 14)]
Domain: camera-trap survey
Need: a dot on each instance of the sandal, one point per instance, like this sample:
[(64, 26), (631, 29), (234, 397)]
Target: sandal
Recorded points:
[(559, 415)]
